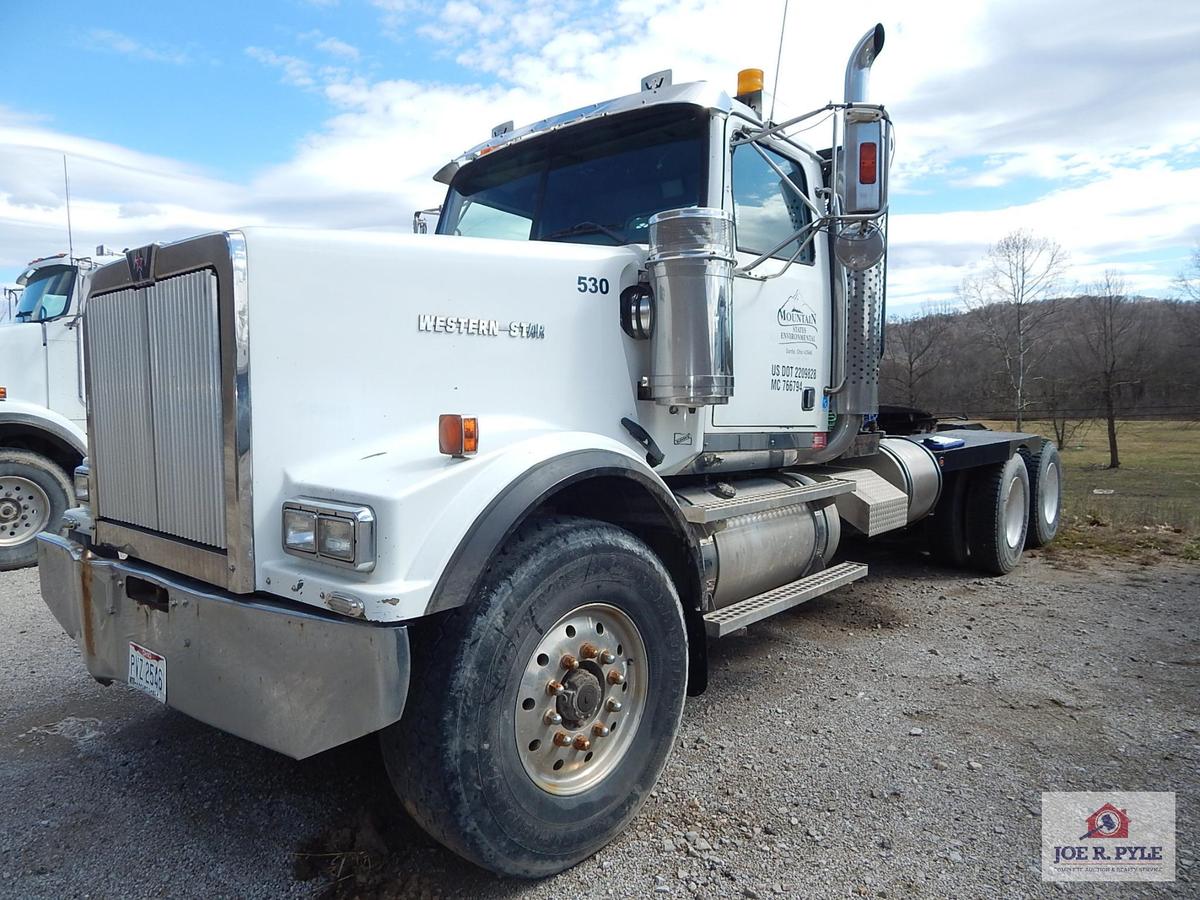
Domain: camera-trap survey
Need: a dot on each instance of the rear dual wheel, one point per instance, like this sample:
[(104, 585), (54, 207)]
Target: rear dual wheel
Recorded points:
[(997, 505), (1045, 487), (541, 714)]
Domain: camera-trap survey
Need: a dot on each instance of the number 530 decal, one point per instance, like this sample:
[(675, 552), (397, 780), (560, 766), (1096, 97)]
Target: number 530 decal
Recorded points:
[(590, 285)]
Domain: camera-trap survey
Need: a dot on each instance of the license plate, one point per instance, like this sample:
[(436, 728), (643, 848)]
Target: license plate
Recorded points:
[(148, 672)]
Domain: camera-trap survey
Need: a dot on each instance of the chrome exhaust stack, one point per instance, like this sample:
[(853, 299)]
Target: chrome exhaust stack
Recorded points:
[(858, 68)]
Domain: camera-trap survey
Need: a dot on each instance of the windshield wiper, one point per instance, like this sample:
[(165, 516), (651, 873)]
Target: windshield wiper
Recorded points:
[(585, 228)]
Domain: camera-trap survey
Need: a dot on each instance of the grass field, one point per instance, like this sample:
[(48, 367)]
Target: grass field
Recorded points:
[(1151, 505)]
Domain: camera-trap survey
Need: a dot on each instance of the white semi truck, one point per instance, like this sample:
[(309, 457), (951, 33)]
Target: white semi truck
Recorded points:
[(42, 407), (495, 510)]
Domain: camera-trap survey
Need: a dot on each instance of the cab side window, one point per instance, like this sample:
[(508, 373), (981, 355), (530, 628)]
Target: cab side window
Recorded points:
[(766, 208)]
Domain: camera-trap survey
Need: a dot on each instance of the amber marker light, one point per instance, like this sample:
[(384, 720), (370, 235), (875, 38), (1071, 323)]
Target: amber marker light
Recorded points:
[(3, 393), (749, 81), (458, 435)]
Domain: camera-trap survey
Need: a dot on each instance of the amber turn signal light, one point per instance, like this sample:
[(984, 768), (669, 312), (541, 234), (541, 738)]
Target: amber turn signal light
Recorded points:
[(3, 393), (458, 435)]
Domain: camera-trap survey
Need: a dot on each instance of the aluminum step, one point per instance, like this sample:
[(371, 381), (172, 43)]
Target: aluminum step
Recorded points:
[(754, 609), (875, 505), (714, 509)]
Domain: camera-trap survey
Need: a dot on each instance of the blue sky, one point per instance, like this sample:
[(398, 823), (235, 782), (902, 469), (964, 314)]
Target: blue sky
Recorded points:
[(179, 118)]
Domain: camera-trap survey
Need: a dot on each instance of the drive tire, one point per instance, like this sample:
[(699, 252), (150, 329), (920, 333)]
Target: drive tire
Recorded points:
[(946, 529), (998, 515), (1045, 487), (454, 757), (34, 494)]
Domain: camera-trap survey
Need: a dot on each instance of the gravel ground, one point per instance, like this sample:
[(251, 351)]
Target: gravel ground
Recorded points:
[(889, 740)]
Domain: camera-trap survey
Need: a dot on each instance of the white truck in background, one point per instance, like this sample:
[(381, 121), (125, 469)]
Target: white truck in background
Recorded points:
[(496, 511), (43, 412)]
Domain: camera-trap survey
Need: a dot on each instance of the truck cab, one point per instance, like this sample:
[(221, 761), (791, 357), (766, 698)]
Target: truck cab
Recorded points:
[(597, 176), (43, 414)]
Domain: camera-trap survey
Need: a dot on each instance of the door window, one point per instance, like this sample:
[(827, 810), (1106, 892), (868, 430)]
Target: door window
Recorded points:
[(766, 207)]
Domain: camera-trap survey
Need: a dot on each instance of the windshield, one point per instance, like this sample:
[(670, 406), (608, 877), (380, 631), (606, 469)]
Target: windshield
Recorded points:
[(47, 293), (597, 183)]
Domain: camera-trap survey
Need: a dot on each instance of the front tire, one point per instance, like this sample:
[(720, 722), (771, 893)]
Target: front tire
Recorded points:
[(998, 515), (34, 494), (509, 755)]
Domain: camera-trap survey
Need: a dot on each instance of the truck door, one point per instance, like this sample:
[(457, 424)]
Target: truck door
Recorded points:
[(781, 313), (64, 373), (58, 315)]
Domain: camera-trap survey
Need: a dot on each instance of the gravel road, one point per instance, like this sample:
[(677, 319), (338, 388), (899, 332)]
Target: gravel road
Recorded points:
[(889, 740)]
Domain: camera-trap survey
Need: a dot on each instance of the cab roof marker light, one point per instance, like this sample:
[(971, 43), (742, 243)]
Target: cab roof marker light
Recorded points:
[(750, 80)]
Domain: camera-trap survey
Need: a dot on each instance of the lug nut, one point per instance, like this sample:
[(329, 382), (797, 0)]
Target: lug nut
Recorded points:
[(589, 651), (552, 718), (555, 688), (607, 658), (615, 705), (569, 662), (615, 677), (581, 743), (600, 730), (562, 739)]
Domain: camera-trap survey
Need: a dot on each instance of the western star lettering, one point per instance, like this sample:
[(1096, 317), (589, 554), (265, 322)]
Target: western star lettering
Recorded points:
[(484, 327)]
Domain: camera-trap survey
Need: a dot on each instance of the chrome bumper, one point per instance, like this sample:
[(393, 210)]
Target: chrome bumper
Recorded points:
[(296, 681)]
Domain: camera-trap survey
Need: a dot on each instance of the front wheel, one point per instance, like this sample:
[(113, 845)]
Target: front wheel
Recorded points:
[(542, 713), (34, 494)]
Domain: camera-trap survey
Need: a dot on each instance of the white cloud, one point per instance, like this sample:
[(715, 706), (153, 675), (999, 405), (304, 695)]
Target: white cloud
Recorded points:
[(293, 70), (116, 42), (334, 47)]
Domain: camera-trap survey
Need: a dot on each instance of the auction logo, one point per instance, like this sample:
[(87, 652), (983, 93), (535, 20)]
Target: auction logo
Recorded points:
[(1107, 822), (1127, 836)]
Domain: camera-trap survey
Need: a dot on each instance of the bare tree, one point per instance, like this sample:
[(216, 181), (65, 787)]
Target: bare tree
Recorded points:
[(911, 352), (1188, 282), (1111, 346), (1187, 312), (1014, 296)]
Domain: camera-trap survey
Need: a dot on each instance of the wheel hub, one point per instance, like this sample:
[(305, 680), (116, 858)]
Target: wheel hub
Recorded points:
[(581, 697), (24, 510)]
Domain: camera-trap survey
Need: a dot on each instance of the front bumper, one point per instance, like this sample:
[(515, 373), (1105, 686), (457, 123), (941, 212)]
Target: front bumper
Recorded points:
[(295, 680)]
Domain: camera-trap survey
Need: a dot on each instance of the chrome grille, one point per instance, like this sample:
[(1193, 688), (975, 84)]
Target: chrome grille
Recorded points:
[(155, 381)]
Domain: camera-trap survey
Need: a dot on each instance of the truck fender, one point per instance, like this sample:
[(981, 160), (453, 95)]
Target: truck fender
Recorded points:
[(536, 488), (30, 418)]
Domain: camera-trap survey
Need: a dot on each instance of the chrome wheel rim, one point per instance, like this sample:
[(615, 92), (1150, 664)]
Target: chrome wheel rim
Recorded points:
[(582, 695), (1016, 509), (24, 510), (1049, 488)]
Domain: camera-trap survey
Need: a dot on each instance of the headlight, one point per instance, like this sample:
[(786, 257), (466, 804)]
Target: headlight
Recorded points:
[(299, 530), (83, 488), (341, 534), (335, 537)]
